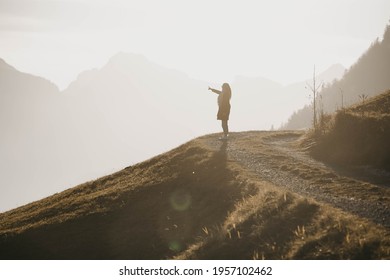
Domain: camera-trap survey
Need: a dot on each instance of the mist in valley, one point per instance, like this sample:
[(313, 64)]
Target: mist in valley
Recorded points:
[(146, 88)]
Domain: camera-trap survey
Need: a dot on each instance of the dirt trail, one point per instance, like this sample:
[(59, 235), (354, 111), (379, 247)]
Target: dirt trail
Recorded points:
[(277, 157)]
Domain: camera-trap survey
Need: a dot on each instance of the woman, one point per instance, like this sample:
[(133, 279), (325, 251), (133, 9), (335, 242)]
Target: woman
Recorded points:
[(223, 107)]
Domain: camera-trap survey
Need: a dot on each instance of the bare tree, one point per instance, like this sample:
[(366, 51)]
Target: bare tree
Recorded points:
[(314, 90), (363, 98)]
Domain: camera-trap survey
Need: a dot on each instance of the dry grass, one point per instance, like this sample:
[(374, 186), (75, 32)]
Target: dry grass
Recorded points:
[(189, 203), (147, 211), (277, 225), (359, 135)]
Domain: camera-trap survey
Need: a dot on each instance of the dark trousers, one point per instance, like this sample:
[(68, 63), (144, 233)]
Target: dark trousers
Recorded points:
[(225, 127)]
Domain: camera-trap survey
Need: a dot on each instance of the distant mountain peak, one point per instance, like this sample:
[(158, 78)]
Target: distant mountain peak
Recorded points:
[(13, 75), (5, 66), (336, 67), (123, 57), (138, 65), (335, 71)]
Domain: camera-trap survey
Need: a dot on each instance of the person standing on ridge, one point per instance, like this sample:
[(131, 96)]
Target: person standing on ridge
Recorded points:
[(223, 107)]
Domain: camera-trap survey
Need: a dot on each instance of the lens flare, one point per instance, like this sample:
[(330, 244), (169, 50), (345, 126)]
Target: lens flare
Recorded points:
[(180, 200), (175, 246)]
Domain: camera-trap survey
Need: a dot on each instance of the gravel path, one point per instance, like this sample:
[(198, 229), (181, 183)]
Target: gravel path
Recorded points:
[(276, 157)]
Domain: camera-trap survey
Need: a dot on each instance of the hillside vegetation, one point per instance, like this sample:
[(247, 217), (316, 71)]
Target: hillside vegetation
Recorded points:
[(368, 76), (193, 202), (358, 135)]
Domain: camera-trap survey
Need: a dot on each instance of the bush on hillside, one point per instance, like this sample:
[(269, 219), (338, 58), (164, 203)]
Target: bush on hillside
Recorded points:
[(356, 138)]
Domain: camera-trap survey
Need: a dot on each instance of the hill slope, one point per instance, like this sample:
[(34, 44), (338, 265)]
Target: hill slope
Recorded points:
[(53, 140), (358, 135), (369, 76), (259, 103), (30, 113), (198, 201), (111, 117), (143, 212)]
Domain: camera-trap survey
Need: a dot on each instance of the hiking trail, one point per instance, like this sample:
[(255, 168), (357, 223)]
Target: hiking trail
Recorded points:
[(278, 158)]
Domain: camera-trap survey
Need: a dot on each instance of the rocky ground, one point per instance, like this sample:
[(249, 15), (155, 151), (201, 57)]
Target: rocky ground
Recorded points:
[(280, 157)]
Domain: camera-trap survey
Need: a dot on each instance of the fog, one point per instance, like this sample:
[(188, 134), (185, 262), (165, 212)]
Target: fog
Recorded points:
[(129, 110), (209, 40), (100, 85)]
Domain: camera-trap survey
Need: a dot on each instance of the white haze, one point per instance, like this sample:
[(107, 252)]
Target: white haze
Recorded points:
[(128, 111), (209, 40), (134, 105)]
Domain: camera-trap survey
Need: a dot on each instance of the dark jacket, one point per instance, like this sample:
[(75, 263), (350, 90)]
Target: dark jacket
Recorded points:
[(223, 104)]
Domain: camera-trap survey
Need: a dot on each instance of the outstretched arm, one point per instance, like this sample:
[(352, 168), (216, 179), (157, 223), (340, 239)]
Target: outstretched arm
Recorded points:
[(215, 90)]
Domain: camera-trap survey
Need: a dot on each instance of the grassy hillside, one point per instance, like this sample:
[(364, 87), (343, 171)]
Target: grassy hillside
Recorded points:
[(146, 211), (358, 135), (190, 203), (369, 76)]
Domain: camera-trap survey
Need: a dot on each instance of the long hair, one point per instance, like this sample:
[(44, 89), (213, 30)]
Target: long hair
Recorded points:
[(227, 90)]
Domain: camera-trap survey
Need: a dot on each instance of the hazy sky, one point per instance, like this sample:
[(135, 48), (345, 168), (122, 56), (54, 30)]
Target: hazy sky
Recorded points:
[(210, 40)]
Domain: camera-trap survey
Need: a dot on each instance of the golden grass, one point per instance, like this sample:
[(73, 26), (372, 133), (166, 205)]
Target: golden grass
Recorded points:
[(147, 211), (277, 225), (358, 135), (189, 203)]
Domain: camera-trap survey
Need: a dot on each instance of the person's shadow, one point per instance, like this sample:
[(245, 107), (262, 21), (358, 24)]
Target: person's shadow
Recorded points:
[(222, 153)]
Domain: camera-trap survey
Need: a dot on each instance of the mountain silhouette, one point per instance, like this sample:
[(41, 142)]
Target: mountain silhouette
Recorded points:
[(29, 112), (262, 103), (368, 76), (124, 112), (202, 200)]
